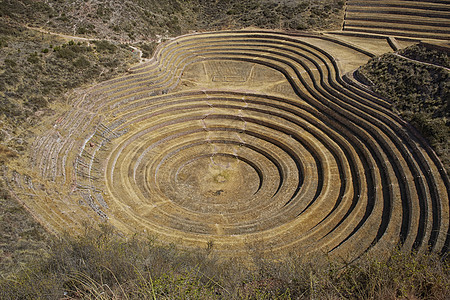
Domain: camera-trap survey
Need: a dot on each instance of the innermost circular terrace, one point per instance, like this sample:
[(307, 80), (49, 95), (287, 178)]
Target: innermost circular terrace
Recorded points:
[(215, 183)]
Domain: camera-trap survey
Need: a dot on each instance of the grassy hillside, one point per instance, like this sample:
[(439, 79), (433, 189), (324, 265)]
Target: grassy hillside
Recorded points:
[(37, 70), (101, 265), (417, 81), (22, 239), (146, 19)]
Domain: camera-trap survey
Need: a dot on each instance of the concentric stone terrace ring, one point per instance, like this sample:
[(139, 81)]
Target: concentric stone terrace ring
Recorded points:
[(222, 169), (244, 140)]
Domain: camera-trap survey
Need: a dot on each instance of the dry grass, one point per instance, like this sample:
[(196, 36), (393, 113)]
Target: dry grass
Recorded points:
[(102, 265), (21, 237)]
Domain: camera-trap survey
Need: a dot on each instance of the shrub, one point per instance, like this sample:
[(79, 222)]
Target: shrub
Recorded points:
[(9, 63), (88, 29), (65, 53), (147, 49), (105, 46), (82, 63), (6, 153), (33, 58)]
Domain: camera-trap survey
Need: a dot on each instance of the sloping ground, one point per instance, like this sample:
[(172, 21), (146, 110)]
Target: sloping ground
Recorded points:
[(416, 80), (247, 141), (416, 19)]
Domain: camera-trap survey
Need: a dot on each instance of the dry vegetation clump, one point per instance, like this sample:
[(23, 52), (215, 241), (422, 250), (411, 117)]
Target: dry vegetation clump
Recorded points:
[(6, 153), (418, 84), (102, 265)]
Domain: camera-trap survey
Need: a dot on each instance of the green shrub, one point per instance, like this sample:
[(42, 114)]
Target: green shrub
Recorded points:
[(33, 58), (147, 49), (65, 53), (82, 63), (105, 46), (36, 102), (9, 63), (436, 130)]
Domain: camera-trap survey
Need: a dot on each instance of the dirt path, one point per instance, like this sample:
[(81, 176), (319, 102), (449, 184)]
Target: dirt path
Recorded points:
[(88, 40), (422, 62)]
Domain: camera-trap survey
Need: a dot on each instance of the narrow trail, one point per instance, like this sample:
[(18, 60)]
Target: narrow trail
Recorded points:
[(88, 40), (422, 62)]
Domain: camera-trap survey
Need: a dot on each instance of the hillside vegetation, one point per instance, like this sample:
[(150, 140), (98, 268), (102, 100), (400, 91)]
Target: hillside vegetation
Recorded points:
[(417, 81), (146, 19), (38, 69), (101, 265)]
